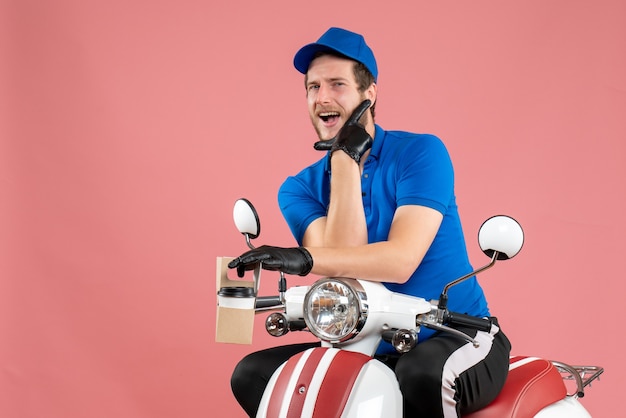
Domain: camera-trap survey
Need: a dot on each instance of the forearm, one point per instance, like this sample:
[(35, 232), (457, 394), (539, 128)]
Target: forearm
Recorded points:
[(345, 223), (413, 230), (381, 262)]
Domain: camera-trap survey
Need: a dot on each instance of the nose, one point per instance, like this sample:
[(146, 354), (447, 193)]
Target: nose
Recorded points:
[(323, 95)]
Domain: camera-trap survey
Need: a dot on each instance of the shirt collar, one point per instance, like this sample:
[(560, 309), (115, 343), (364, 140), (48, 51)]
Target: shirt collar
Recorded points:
[(379, 136)]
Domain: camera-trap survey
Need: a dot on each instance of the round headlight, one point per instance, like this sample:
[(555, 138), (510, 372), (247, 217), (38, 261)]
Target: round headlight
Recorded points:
[(335, 309)]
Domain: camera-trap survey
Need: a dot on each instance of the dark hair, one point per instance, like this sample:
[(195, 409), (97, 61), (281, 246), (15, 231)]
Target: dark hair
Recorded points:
[(364, 79), (362, 75)]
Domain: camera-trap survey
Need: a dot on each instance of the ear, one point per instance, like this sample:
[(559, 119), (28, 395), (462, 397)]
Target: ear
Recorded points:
[(372, 92)]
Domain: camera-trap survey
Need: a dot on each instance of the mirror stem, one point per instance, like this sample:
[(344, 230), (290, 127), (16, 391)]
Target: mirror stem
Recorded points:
[(248, 241), (282, 287), (443, 299)]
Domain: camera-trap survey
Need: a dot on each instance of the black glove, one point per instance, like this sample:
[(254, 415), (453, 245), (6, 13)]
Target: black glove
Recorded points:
[(288, 260), (353, 139)]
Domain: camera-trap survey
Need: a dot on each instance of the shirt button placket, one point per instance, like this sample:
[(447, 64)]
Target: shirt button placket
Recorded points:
[(365, 191)]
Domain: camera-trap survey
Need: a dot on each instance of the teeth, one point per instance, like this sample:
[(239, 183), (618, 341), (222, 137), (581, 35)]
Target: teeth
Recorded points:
[(328, 114)]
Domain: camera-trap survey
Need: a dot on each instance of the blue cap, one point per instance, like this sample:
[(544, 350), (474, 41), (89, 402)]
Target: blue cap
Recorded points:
[(350, 44)]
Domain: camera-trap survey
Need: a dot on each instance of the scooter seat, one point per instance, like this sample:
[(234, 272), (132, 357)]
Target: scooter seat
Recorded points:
[(532, 384)]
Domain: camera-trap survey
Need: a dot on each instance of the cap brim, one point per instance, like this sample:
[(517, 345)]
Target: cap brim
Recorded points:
[(305, 55)]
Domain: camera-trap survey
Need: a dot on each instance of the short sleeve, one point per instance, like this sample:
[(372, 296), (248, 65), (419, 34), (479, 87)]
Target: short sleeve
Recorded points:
[(301, 204), (425, 175)]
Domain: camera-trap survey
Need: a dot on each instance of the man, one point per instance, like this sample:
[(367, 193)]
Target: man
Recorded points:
[(379, 206)]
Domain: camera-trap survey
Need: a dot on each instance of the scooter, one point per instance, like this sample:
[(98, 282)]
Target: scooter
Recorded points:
[(350, 317)]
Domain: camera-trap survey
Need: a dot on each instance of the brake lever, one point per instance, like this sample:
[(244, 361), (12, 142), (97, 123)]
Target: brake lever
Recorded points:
[(421, 321)]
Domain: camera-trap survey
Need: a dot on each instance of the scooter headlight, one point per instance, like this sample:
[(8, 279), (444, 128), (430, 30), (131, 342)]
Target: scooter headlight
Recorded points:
[(335, 309)]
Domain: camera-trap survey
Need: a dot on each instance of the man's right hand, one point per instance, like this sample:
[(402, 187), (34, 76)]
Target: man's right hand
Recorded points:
[(296, 260)]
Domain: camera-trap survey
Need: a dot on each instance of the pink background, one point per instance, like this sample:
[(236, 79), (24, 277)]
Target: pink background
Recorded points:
[(128, 128)]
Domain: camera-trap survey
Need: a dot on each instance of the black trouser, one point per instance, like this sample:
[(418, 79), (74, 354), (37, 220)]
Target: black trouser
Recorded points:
[(446, 377), (439, 376)]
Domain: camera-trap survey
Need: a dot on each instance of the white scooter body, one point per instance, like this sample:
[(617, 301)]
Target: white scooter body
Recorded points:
[(370, 388), (361, 386), (330, 382), (342, 379), (386, 310), (374, 393), (567, 407)]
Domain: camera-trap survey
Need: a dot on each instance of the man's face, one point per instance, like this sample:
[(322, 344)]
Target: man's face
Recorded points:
[(332, 95)]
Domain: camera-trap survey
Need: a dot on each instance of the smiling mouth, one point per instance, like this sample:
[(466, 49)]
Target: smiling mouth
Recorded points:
[(329, 116)]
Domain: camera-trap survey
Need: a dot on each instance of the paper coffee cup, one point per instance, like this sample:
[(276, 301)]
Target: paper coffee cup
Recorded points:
[(236, 297)]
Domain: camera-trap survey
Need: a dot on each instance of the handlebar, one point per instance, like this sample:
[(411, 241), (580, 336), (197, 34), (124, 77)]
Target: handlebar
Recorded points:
[(463, 320), (265, 303)]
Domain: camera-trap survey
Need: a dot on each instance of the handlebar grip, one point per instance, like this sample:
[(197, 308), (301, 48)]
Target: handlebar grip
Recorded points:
[(387, 335), (267, 302), (481, 324), (297, 325)]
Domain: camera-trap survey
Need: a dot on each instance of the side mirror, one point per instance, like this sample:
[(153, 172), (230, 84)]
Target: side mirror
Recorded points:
[(247, 222), (246, 219), (500, 237), (501, 234)]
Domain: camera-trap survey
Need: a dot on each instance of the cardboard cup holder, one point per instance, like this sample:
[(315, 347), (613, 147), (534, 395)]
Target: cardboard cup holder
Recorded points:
[(235, 306)]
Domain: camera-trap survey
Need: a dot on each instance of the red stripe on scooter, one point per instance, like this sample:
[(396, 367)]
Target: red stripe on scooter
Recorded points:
[(280, 387), (338, 382), (304, 383)]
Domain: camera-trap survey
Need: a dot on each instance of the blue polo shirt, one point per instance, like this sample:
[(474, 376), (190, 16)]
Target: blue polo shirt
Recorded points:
[(402, 169)]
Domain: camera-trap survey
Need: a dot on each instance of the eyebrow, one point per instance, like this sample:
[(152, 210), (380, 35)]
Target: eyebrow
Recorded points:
[(332, 79)]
